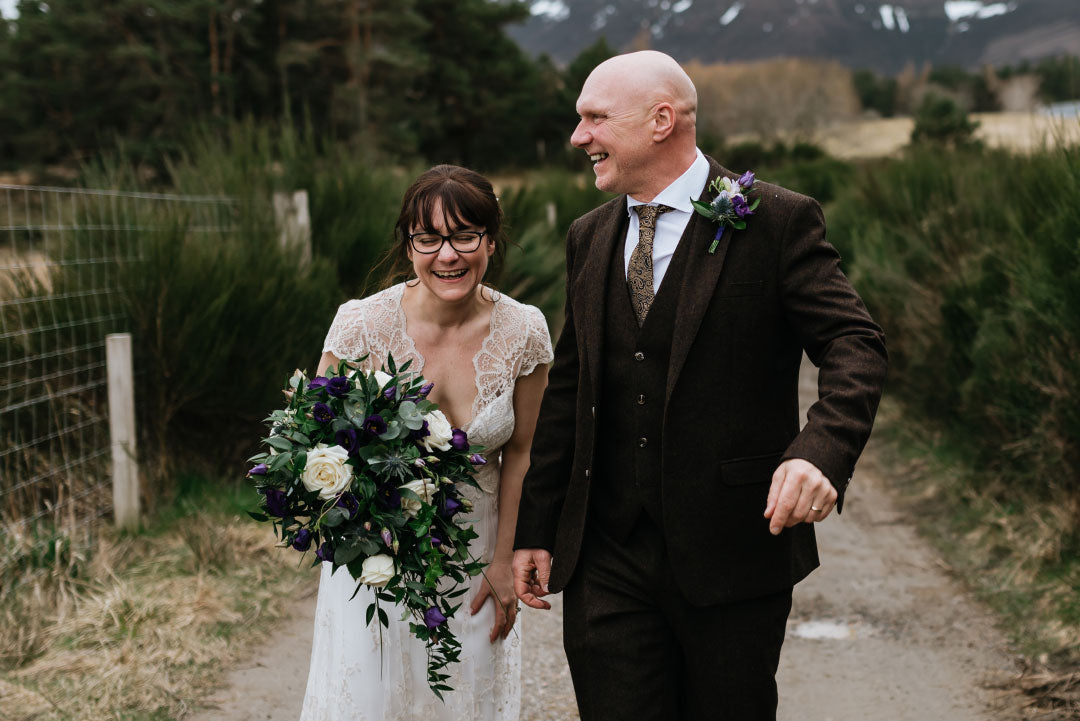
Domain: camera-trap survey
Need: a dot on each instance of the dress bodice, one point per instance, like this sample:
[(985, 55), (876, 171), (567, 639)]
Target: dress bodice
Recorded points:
[(517, 341)]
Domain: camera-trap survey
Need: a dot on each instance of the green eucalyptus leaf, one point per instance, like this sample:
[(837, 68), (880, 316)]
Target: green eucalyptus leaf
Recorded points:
[(279, 443)]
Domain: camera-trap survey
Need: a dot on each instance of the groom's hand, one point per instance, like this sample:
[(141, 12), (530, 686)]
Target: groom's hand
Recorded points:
[(799, 492), (532, 570)]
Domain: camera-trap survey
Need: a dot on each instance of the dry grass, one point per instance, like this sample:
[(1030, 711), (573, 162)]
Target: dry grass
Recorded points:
[(1011, 548), (1021, 132), (143, 622)]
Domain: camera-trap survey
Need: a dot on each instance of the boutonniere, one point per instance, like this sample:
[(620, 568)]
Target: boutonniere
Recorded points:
[(731, 204)]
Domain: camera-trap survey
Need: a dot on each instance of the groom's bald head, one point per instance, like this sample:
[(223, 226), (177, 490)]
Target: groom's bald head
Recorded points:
[(638, 123), (651, 77)]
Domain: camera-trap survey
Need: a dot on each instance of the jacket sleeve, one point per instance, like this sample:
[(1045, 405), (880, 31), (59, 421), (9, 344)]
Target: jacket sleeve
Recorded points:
[(840, 338), (551, 459)]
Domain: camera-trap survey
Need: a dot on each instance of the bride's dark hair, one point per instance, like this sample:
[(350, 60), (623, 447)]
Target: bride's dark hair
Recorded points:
[(464, 197)]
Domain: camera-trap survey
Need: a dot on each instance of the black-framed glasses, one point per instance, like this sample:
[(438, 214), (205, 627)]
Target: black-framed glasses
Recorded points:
[(464, 241)]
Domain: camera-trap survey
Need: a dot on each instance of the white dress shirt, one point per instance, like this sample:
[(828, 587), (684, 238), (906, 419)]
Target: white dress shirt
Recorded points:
[(669, 225)]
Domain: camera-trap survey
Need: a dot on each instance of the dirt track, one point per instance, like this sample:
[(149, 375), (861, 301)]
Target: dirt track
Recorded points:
[(879, 632)]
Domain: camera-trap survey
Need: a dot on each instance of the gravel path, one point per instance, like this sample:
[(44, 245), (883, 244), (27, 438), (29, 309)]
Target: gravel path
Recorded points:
[(879, 632)]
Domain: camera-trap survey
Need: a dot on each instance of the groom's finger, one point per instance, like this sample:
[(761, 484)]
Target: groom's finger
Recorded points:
[(531, 570)]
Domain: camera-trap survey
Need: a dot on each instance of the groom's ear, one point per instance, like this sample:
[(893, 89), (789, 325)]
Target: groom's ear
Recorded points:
[(663, 121)]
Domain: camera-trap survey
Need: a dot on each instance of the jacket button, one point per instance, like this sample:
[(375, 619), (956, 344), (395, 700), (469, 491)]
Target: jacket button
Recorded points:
[(593, 411), (641, 399), (586, 472), (639, 356), (642, 442)]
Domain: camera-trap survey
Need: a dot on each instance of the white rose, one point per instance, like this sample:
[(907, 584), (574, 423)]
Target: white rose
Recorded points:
[(422, 487), (377, 570), (326, 471), (439, 432), (382, 379)]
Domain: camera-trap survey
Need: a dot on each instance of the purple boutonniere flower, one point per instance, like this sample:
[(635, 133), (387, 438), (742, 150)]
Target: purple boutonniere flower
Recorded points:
[(731, 206)]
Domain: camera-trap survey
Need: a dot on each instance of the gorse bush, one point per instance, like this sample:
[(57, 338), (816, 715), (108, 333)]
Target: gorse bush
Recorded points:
[(971, 263)]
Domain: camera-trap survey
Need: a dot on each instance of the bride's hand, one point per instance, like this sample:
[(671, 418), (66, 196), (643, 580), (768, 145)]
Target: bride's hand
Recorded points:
[(499, 577)]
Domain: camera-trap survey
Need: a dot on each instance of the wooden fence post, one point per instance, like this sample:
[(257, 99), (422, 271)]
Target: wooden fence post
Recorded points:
[(122, 430), (294, 222)]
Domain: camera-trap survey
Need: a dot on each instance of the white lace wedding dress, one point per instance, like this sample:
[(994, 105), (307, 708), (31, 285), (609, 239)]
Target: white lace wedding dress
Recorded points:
[(352, 677)]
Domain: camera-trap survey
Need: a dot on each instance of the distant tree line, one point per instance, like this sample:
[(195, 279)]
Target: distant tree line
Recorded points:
[(1054, 79), (434, 79)]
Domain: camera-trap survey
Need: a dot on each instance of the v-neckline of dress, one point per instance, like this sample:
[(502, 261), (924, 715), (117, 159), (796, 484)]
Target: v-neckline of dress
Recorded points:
[(476, 356)]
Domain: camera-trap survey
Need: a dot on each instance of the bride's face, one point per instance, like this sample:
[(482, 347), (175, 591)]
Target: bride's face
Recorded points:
[(452, 272)]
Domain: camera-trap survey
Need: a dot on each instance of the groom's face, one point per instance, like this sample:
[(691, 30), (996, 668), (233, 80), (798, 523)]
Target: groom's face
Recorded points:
[(615, 130)]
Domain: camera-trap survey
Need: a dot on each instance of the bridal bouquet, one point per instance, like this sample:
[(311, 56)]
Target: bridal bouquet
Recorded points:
[(363, 468)]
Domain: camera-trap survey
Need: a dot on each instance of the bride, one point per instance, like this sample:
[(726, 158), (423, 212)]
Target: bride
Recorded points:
[(487, 355)]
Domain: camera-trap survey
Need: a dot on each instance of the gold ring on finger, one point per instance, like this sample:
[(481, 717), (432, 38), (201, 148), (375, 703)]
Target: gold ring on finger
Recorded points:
[(812, 508)]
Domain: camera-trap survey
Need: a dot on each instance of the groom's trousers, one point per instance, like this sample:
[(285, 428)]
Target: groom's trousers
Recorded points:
[(638, 649)]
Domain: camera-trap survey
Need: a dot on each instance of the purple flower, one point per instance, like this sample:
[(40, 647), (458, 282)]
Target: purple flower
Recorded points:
[(347, 439), (322, 413), (325, 552), (421, 432), (741, 208), (318, 384), (459, 440), (277, 503), (386, 537), (390, 393), (388, 496), (302, 542), (746, 180), (426, 389), (375, 425), (477, 460), (338, 386), (258, 470), (435, 540), (450, 506), (433, 618), (349, 503)]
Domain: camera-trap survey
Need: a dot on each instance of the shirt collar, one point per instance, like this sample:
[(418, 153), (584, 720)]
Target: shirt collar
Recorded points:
[(685, 188)]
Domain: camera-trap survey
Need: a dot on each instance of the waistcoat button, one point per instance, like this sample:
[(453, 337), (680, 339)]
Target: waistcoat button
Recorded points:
[(639, 356), (642, 442)]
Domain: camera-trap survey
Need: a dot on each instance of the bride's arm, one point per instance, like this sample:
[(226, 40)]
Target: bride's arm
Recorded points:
[(528, 390), (326, 361)]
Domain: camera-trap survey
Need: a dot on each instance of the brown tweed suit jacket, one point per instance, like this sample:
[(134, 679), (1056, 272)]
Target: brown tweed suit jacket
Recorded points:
[(731, 414)]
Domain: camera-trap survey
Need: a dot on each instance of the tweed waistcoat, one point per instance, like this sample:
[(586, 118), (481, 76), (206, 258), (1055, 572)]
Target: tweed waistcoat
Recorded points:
[(635, 370)]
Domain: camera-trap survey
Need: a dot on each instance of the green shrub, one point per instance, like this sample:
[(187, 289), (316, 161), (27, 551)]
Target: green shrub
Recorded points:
[(971, 263), (941, 120)]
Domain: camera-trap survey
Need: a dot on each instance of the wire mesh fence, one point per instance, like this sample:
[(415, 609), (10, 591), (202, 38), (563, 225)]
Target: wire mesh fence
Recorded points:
[(64, 254)]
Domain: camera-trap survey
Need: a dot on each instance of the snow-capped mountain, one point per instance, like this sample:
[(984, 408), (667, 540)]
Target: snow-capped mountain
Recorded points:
[(884, 36)]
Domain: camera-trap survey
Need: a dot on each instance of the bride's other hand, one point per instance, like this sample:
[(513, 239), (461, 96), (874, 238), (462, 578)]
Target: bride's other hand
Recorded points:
[(498, 576)]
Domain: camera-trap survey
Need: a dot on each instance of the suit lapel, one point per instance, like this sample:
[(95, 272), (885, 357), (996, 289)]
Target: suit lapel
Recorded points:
[(699, 280), (592, 295)]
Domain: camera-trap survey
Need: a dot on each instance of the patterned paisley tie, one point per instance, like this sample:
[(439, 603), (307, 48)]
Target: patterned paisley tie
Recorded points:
[(639, 276)]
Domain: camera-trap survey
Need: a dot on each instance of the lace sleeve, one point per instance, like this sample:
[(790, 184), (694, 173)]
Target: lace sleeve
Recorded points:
[(345, 339), (537, 342)]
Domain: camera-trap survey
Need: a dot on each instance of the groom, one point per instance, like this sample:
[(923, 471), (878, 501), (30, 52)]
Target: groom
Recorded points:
[(671, 494)]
